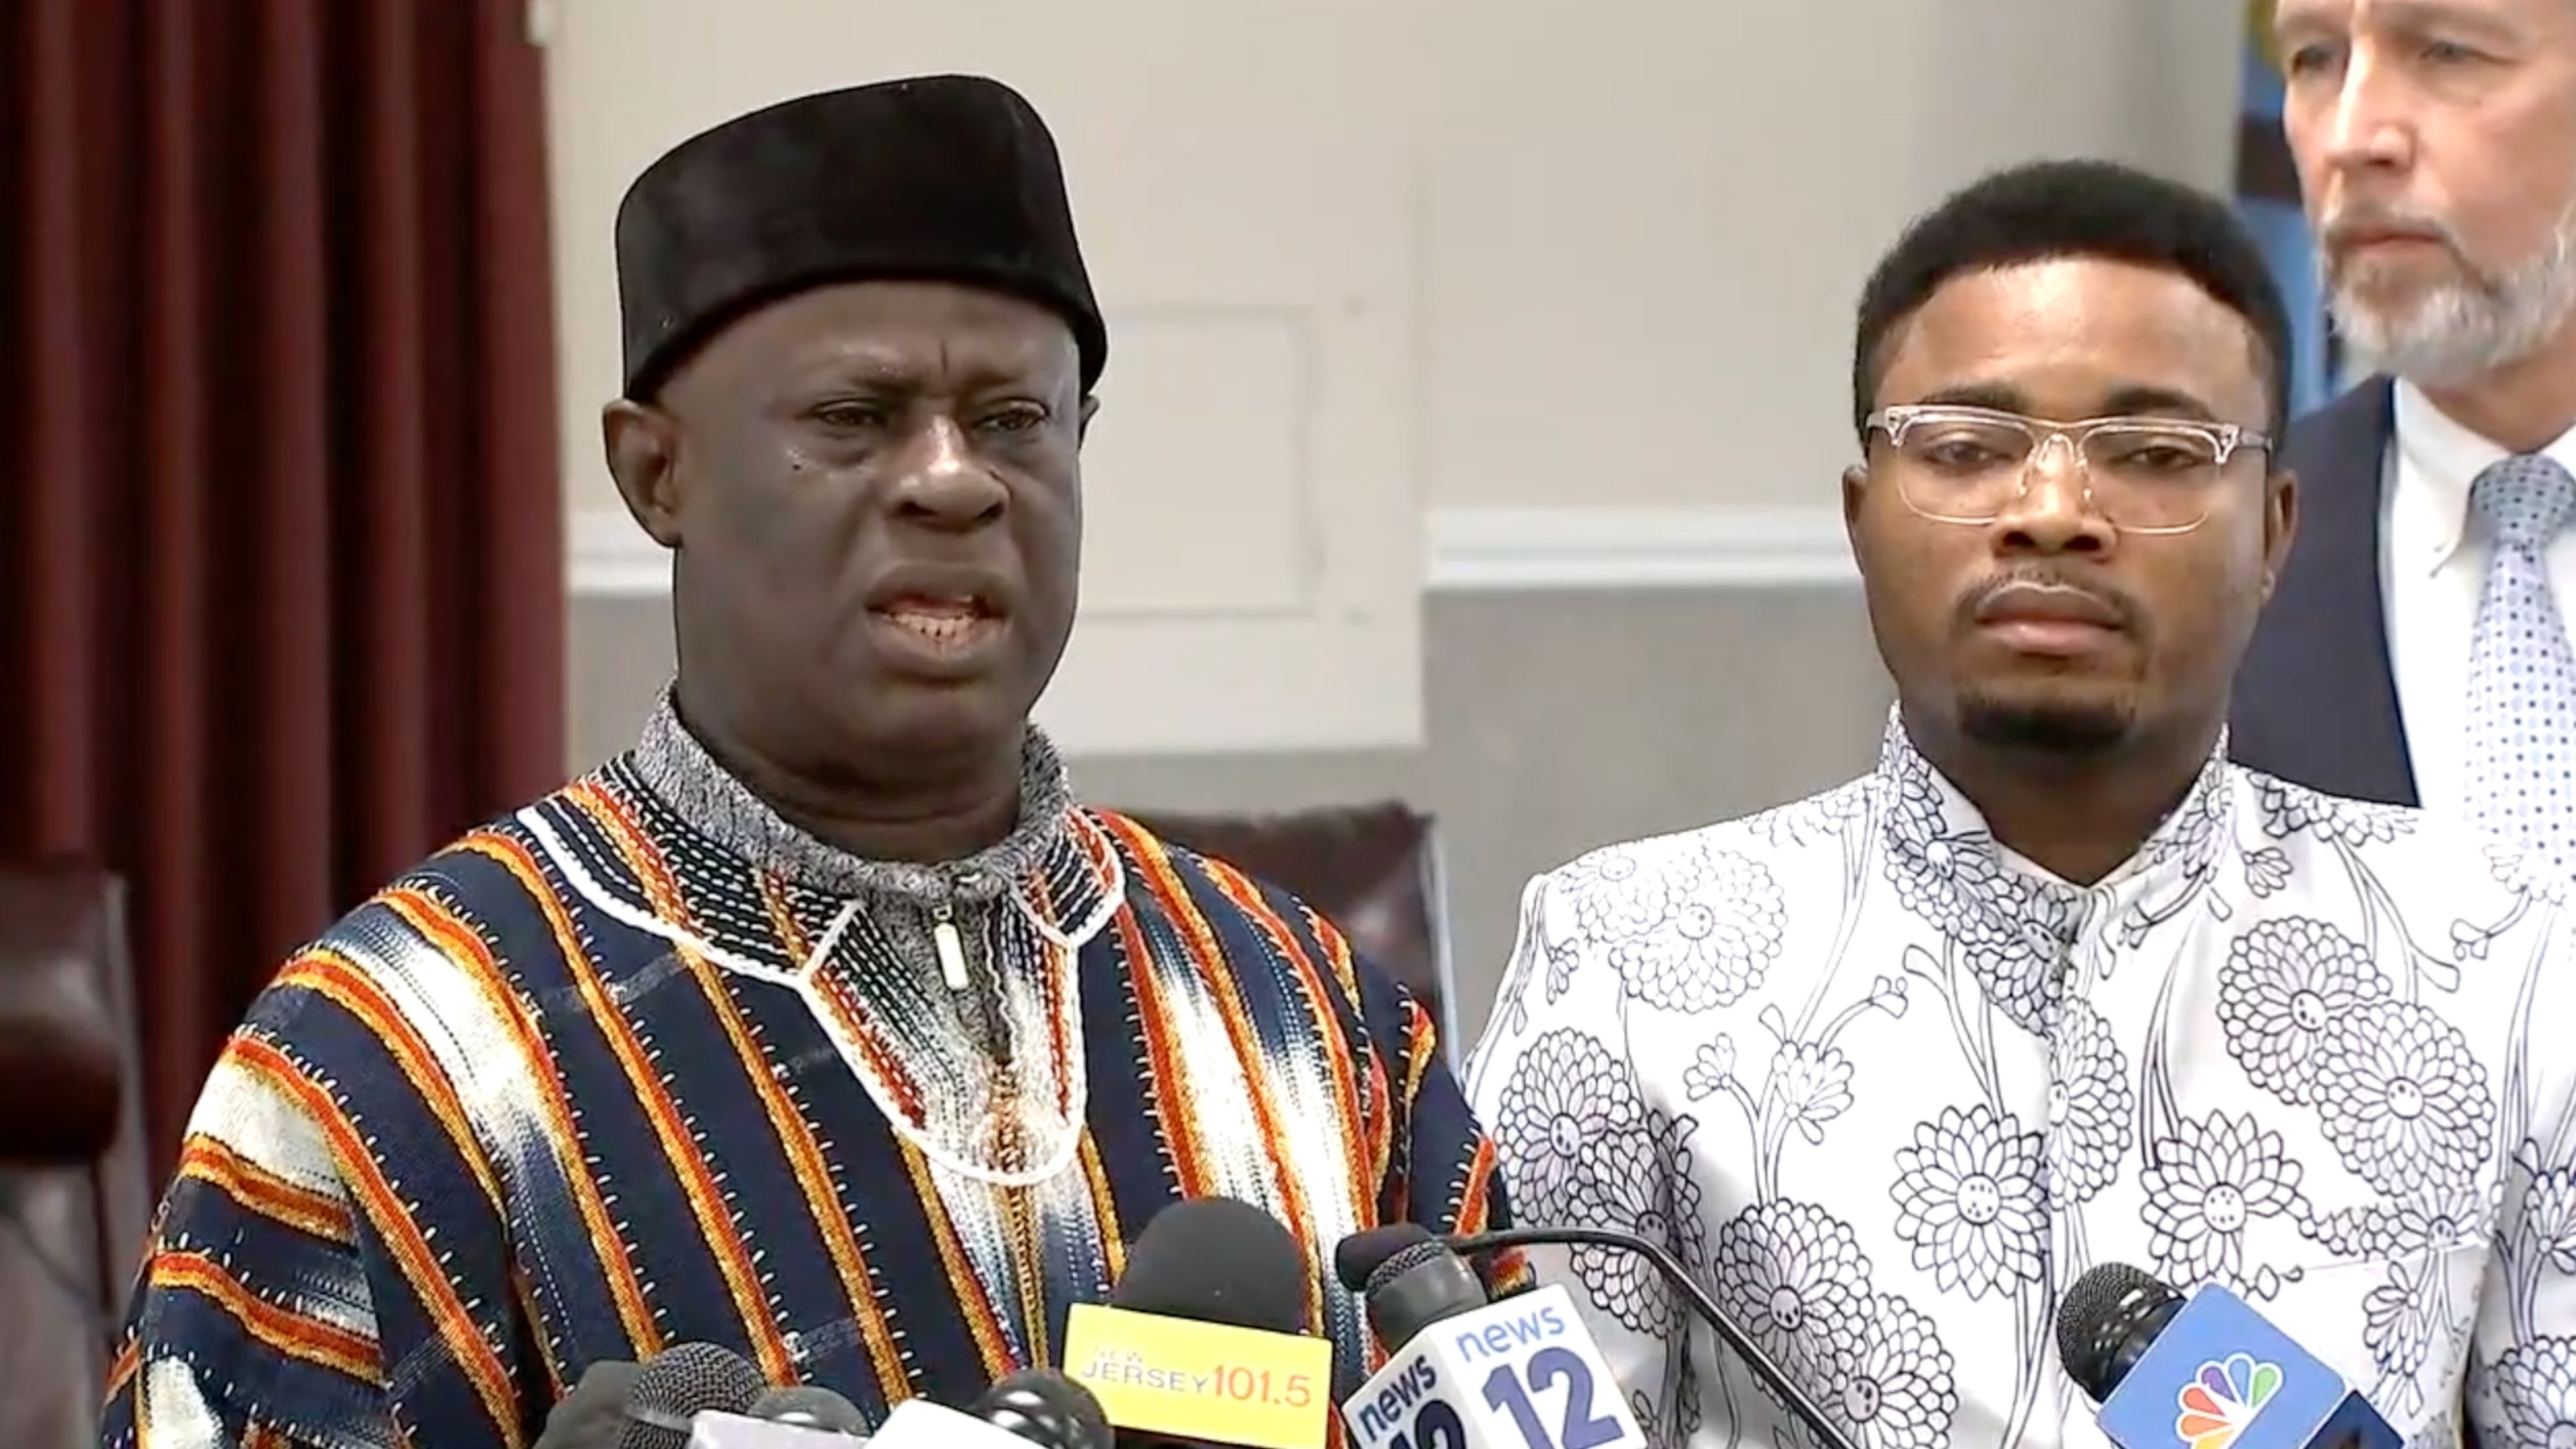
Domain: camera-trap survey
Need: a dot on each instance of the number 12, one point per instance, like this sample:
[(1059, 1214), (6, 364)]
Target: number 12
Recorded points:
[(1581, 1428)]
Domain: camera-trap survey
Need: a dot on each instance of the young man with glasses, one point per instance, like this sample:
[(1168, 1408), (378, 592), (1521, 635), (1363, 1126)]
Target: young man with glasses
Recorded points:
[(2056, 985)]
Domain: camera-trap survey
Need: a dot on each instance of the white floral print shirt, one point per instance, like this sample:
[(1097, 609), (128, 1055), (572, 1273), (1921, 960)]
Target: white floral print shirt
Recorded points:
[(1888, 1088)]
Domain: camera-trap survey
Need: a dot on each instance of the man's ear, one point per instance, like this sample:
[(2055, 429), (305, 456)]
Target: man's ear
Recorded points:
[(1090, 410), (2280, 525), (643, 457)]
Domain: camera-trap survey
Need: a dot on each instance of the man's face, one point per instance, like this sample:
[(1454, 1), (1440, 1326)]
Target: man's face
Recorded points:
[(2043, 623), (2436, 147), (875, 494)]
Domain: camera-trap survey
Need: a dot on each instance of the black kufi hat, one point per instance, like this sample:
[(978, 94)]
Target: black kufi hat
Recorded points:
[(940, 178)]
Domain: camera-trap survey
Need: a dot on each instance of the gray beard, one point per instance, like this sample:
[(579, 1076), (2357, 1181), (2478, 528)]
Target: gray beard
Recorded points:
[(2472, 325)]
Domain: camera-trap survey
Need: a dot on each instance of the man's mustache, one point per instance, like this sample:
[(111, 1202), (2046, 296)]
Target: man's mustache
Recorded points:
[(2119, 605), (2354, 224)]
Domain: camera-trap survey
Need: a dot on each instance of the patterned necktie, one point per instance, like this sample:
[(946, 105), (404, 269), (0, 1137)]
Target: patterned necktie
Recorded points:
[(2522, 672)]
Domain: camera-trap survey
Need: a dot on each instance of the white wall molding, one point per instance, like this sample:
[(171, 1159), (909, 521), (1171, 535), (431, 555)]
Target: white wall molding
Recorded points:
[(1491, 550), (611, 558), (1471, 550)]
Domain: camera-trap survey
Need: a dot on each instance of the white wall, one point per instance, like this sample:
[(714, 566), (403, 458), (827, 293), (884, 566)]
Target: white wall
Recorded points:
[(1538, 291)]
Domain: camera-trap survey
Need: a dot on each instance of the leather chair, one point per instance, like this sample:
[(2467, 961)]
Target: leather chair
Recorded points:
[(74, 1197), (1373, 870)]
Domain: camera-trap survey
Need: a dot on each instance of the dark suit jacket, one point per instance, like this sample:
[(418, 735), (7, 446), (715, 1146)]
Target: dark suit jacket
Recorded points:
[(2315, 702)]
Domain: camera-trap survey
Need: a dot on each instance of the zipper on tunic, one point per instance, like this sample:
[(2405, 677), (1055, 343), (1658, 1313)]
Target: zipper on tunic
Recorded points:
[(951, 948), (950, 944)]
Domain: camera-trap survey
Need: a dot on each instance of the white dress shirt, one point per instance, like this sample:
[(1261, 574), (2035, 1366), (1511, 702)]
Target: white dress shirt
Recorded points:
[(1890, 1088), (2432, 567)]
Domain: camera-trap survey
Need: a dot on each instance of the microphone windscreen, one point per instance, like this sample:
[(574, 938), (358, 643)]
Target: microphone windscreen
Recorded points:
[(2099, 1324), (1044, 1407), (810, 1406), (680, 1383), (594, 1413), (1217, 1260), (1357, 1258), (1418, 1287)]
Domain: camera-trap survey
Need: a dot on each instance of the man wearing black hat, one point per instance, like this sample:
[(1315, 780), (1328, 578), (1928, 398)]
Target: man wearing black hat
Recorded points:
[(822, 1025)]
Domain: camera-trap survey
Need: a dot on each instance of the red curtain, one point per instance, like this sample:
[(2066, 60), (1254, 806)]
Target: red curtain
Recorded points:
[(281, 541)]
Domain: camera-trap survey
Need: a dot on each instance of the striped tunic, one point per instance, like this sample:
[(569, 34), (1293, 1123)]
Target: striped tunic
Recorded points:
[(561, 1095)]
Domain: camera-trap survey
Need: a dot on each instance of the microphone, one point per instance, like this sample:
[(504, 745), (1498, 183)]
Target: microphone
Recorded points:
[(921, 1424), (808, 1406), (1463, 1372), (680, 1383), (1046, 1408), (1217, 1260), (793, 1416), (1032, 1407), (1702, 1304), (2207, 1371), (594, 1413), (1698, 1298), (1407, 1279), (1203, 1338), (712, 1430)]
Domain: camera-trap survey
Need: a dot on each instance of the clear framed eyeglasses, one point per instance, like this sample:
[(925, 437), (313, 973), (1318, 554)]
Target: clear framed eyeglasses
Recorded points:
[(2141, 474)]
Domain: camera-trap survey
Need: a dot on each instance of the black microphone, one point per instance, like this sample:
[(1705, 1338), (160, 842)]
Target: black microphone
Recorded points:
[(1044, 1407), (1827, 1433), (2106, 1322), (808, 1406), (1217, 1260), (680, 1383), (593, 1414), (1214, 1260), (1032, 1407), (2142, 1349), (1357, 1258), (1407, 1279), (1468, 1384), (665, 1397)]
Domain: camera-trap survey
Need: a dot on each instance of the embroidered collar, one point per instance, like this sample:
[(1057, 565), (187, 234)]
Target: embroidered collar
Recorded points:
[(949, 989), (719, 806), (2015, 923)]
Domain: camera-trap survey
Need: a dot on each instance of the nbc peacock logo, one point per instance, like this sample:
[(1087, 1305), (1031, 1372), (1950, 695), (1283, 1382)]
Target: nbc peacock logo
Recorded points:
[(2217, 1405)]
